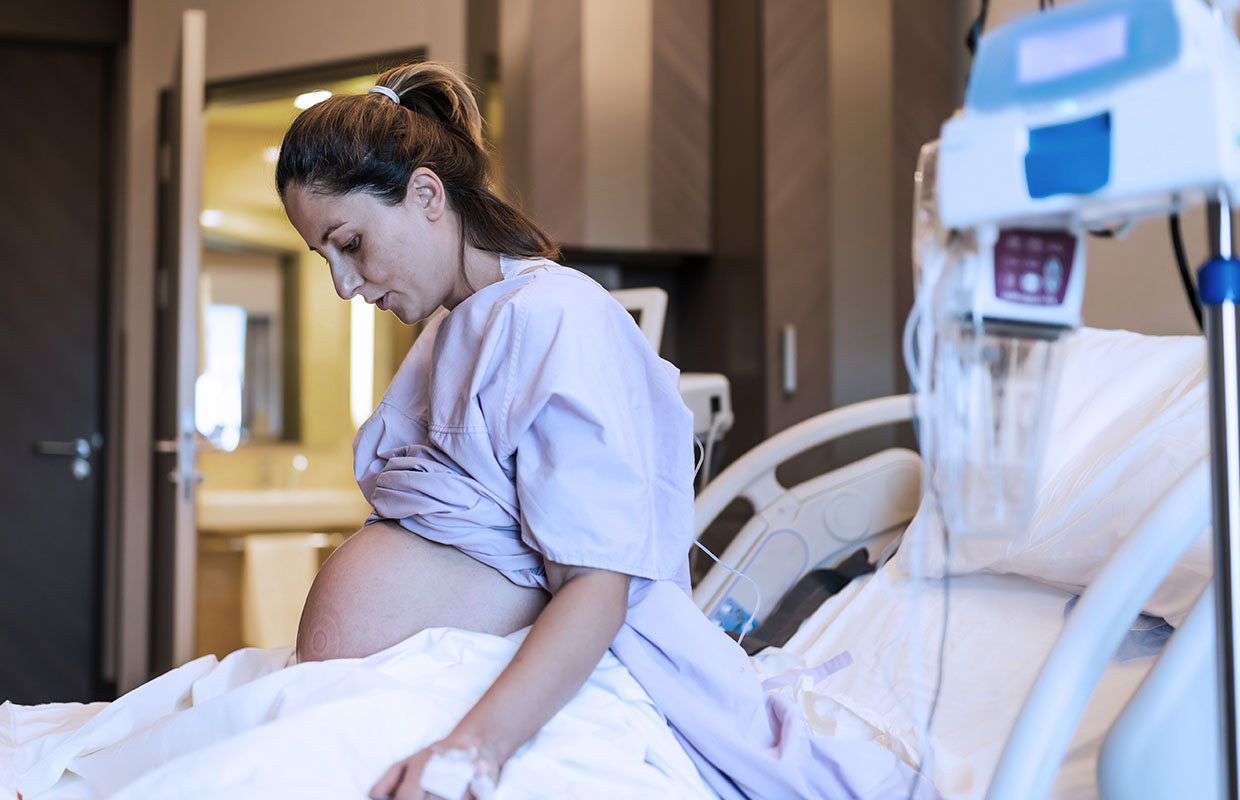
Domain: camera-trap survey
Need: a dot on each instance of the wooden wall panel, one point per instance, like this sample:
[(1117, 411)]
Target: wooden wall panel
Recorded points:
[(928, 41), (680, 127), (607, 120), (864, 351), (556, 119), (543, 129), (77, 21), (617, 82), (797, 208), (724, 327)]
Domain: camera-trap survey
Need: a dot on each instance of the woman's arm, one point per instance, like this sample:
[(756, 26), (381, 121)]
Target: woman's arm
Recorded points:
[(563, 647)]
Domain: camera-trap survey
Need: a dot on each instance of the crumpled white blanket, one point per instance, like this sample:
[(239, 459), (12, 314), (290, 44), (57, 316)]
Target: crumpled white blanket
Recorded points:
[(254, 726)]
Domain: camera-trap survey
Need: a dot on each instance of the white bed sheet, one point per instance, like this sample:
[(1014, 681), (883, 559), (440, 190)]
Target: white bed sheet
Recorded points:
[(250, 727), (1001, 628)]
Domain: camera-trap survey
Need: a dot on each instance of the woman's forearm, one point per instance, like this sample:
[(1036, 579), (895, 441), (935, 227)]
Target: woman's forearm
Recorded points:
[(564, 646)]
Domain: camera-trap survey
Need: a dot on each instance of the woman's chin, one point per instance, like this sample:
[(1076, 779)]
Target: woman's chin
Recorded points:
[(405, 317)]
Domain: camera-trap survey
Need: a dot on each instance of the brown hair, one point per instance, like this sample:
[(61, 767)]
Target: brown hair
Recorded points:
[(367, 143)]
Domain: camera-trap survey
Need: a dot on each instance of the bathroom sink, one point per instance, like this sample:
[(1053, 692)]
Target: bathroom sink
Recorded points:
[(307, 509)]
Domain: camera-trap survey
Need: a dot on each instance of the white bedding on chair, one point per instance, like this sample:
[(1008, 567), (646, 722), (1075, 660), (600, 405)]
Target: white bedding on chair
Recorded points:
[(252, 727), (1000, 631)]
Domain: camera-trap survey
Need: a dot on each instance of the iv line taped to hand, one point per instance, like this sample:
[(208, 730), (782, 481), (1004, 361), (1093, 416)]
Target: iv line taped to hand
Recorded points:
[(448, 773)]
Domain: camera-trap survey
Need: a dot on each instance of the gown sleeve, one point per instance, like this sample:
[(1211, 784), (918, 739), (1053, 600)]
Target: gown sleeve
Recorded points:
[(602, 443)]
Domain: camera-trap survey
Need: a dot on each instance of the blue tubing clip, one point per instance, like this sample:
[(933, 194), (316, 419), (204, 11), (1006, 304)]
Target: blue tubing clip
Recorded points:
[(1218, 281)]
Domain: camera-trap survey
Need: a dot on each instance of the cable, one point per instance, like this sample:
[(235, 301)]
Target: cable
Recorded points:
[(909, 346), (975, 30), (938, 681), (757, 603), (927, 445), (708, 451), (1181, 260), (699, 453)]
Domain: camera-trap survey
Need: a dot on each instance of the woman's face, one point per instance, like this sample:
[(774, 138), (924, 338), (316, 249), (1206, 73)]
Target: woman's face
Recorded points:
[(402, 258)]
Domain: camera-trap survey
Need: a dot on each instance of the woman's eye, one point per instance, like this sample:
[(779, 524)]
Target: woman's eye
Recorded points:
[(352, 245)]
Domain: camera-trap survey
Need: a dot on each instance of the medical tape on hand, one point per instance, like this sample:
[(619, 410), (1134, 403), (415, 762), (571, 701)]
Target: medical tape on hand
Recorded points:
[(449, 773)]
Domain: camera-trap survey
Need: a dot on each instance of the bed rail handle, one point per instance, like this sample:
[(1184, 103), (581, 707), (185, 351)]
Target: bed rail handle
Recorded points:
[(1043, 730), (751, 476)]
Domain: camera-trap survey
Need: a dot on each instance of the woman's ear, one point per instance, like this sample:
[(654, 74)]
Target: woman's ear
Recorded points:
[(426, 193)]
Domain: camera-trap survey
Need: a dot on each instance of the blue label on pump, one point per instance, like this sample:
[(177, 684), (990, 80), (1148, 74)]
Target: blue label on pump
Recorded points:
[(1073, 158)]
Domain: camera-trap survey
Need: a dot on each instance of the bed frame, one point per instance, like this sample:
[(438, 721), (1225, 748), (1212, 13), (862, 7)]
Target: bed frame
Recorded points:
[(816, 523), (1165, 743)]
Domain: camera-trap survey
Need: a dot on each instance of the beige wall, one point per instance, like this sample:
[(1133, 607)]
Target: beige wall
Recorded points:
[(244, 37), (323, 331)]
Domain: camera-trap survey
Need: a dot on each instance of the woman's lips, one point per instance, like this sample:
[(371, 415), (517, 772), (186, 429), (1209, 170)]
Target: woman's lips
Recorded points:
[(382, 302)]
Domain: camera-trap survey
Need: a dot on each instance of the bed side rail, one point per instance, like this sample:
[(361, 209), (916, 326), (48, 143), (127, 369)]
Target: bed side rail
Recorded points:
[(1043, 730), (820, 521)]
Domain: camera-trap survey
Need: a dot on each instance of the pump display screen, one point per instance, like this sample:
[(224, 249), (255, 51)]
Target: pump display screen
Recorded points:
[(1070, 51)]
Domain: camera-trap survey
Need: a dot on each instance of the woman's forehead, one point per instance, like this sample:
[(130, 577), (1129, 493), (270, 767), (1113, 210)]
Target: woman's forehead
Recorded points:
[(317, 206)]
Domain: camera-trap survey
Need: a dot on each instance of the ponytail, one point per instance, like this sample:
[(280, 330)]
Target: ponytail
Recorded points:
[(367, 143)]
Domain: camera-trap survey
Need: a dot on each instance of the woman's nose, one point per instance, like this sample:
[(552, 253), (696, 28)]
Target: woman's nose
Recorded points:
[(347, 282)]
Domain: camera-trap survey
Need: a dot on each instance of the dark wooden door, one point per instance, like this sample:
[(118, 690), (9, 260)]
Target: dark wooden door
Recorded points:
[(54, 170)]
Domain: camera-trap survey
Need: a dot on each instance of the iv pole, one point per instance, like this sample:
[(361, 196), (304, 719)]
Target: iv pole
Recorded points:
[(1218, 286)]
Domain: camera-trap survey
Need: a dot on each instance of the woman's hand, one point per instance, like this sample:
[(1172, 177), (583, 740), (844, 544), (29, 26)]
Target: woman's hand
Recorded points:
[(563, 647), (403, 780)]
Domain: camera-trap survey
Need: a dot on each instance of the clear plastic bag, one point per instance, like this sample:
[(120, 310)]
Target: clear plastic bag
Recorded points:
[(986, 409)]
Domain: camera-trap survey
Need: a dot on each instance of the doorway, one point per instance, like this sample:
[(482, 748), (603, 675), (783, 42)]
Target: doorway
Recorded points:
[(287, 371)]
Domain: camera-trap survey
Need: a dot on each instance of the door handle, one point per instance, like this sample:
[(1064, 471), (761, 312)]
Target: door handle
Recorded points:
[(79, 450)]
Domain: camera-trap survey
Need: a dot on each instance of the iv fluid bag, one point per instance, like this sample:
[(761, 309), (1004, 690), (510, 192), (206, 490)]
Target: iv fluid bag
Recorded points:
[(929, 237), (985, 416)]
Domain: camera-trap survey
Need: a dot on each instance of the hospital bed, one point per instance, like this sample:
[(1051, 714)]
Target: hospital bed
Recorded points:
[(1122, 517), (860, 666)]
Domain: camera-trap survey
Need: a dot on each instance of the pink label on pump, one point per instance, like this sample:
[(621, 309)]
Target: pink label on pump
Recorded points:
[(1033, 267)]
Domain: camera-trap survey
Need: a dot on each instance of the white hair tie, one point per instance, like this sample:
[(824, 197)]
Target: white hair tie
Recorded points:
[(385, 91)]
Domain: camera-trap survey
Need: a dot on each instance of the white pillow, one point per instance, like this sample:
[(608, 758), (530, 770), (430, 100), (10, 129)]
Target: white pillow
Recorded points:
[(1130, 420)]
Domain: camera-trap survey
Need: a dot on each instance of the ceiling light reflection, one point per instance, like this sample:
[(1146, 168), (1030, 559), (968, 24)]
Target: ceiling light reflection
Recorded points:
[(304, 101)]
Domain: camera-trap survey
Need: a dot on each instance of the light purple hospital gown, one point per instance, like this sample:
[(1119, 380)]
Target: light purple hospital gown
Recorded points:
[(535, 422)]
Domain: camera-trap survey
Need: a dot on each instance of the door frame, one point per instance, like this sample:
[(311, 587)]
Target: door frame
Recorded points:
[(129, 498)]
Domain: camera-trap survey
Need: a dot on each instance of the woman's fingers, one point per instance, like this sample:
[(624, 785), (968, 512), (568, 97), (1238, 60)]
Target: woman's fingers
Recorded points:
[(386, 786), (411, 784), (403, 780)]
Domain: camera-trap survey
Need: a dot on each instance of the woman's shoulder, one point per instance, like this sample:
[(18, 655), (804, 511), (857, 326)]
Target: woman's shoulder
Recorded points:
[(544, 307), (549, 288)]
